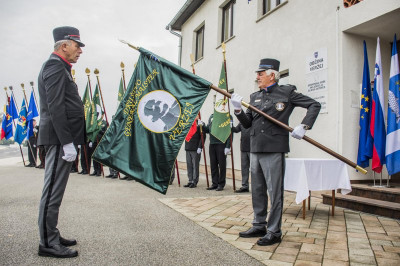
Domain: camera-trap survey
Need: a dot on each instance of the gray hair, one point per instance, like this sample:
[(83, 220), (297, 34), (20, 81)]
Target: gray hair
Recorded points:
[(58, 44), (271, 71)]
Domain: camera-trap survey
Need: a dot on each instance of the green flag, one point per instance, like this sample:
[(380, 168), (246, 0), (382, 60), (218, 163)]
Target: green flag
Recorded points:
[(152, 121), (95, 117), (86, 105), (221, 126), (121, 91)]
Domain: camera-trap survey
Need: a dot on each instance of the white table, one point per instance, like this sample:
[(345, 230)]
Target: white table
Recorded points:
[(303, 175)]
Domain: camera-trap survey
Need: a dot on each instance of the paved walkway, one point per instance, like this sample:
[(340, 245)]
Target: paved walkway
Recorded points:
[(348, 238)]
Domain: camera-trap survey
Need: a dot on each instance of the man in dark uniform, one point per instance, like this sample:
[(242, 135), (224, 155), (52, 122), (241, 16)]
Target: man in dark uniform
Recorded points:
[(86, 161), (218, 151), (268, 145), (193, 149), (32, 148), (62, 128), (244, 155), (96, 165)]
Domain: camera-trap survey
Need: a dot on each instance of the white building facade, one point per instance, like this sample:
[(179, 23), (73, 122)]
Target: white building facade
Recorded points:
[(319, 44)]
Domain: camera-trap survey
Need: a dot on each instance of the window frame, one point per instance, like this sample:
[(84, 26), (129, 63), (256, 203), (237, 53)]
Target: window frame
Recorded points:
[(199, 32)]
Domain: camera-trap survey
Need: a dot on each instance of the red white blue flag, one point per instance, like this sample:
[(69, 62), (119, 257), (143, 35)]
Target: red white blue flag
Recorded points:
[(377, 125), (393, 118)]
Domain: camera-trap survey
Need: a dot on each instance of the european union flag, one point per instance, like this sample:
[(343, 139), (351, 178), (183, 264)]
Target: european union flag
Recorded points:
[(20, 133), (364, 143)]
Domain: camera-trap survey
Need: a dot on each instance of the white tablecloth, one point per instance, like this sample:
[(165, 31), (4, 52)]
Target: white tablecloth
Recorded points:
[(304, 175)]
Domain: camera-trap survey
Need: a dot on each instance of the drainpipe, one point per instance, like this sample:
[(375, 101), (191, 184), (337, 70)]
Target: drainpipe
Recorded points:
[(338, 94), (180, 43)]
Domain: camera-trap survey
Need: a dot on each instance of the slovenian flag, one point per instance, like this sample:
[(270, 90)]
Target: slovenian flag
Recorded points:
[(377, 125), (393, 118)]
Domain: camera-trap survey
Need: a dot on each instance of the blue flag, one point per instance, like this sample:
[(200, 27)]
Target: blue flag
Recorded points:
[(393, 117), (364, 143), (12, 109), (32, 113), (6, 125), (20, 133)]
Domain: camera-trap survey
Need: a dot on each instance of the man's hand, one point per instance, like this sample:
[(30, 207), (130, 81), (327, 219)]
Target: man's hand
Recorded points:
[(69, 152), (199, 150), (35, 130), (226, 151), (90, 144), (236, 101), (200, 123), (298, 132)]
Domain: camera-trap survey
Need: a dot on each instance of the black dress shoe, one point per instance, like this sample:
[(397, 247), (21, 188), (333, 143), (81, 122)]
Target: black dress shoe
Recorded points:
[(192, 185), (94, 173), (109, 176), (219, 189), (123, 178), (41, 166), (83, 172), (57, 251), (187, 185), (242, 189), (73, 171), (98, 174), (129, 178), (30, 165), (253, 232), (67, 242), (268, 240), (212, 188), (114, 177)]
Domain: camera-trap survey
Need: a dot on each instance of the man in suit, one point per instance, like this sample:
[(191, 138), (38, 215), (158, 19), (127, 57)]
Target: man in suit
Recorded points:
[(244, 156), (62, 128), (268, 145)]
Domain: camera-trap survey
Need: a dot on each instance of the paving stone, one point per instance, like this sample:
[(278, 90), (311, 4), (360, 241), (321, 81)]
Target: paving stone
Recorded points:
[(387, 262), (288, 244), (265, 248), (306, 263), (336, 254), (328, 262), (312, 249), (381, 242), (386, 255), (391, 249), (259, 255), (241, 245), (299, 239), (276, 263), (362, 260), (309, 257), (285, 250), (360, 251), (283, 257), (342, 245)]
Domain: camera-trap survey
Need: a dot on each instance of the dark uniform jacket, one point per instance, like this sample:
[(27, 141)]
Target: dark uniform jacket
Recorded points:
[(278, 102), (195, 142), (244, 137), (62, 118)]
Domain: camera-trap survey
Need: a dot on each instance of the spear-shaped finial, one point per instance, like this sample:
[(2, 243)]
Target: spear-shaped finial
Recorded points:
[(122, 65), (23, 86), (130, 45), (11, 88), (96, 71), (31, 83), (87, 70), (5, 88)]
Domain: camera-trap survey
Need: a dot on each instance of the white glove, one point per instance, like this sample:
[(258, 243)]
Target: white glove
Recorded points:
[(200, 123), (90, 144), (298, 132), (227, 150), (79, 146), (35, 130), (34, 145), (236, 101), (69, 152), (199, 150)]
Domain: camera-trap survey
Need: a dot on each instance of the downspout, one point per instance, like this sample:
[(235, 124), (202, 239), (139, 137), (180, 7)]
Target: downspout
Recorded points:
[(338, 94), (180, 43)]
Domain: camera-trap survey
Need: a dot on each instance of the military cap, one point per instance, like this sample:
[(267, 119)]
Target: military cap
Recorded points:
[(67, 33), (268, 63)]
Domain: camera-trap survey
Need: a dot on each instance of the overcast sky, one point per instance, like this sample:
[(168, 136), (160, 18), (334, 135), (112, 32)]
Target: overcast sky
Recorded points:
[(27, 41)]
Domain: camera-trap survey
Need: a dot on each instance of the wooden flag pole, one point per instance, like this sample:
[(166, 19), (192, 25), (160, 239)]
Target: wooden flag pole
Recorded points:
[(283, 125), (229, 110), (27, 107), (8, 101), (201, 130), (96, 72)]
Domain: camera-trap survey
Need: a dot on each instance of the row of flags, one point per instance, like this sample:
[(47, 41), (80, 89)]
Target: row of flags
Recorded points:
[(26, 115), (375, 142)]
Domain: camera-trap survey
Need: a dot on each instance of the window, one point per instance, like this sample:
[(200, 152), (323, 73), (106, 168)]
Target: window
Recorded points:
[(227, 21), (199, 52), (268, 5)]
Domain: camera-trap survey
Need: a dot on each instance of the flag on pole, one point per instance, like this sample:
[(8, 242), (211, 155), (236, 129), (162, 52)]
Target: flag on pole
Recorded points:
[(161, 102), (364, 145), (6, 125), (95, 121), (121, 90), (377, 124), (221, 124), (32, 113), (393, 118), (86, 101), (12, 109), (192, 131), (21, 132)]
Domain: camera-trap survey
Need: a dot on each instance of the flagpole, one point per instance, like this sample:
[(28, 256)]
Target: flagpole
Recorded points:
[(123, 74), (283, 125), (87, 70), (96, 72), (177, 172), (201, 130), (8, 101), (229, 110), (34, 95), (27, 107)]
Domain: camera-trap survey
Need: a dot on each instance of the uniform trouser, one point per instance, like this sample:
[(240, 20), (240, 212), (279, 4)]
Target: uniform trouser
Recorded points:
[(192, 162), (245, 164), (267, 173), (218, 165), (96, 165), (113, 172), (85, 158), (55, 181), (32, 154)]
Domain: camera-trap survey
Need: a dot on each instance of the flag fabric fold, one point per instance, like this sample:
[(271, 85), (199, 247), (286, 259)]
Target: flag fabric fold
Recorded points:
[(22, 127), (121, 90), (393, 116), (32, 113), (377, 124), (6, 125), (96, 114), (12, 108), (152, 121), (364, 143), (221, 124)]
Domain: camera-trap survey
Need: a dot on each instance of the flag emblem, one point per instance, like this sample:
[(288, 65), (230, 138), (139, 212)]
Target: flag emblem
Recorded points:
[(279, 106), (159, 111)]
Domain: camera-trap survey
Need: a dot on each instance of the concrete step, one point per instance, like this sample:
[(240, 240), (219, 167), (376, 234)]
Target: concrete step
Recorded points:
[(373, 206), (391, 194)]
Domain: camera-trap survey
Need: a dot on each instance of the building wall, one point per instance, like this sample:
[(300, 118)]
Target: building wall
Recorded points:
[(291, 33)]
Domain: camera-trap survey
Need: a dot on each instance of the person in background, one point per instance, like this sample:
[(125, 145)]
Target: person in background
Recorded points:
[(244, 156), (32, 149)]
